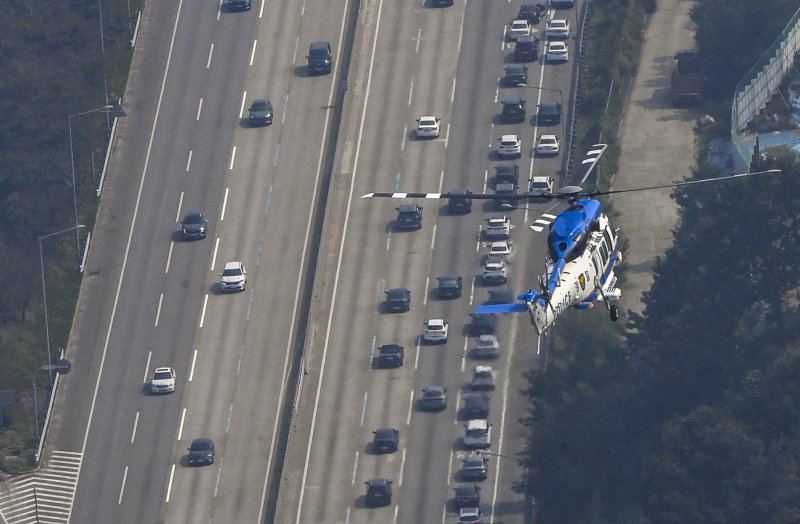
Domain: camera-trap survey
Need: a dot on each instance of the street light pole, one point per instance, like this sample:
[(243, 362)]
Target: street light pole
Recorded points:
[(44, 297), (72, 163), (560, 101)]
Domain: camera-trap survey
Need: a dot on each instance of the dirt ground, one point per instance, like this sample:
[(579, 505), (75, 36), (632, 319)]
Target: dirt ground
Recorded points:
[(658, 147)]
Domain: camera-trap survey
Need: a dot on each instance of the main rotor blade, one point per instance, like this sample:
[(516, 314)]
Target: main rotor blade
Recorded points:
[(678, 184), (468, 196)]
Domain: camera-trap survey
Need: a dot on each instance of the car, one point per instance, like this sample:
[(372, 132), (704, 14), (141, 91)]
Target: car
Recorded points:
[(557, 29), (506, 174), (497, 228), (548, 145), (500, 247), (487, 347), (556, 52), (442, 3), (526, 49), (541, 185), (435, 331), (240, 5), (233, 277), (519, 28), (483, 378), (494, 274), (475, 467), (390, 356), (194, 225), (493, 262), (379, 492), (500, 296), (530, 12), (508, 192), (409, 217), (548, 113), (385, 440), (476, 405), (450, 286), (467, 496), (562, 4), (481, 324), (516, 74), (428, 127), (398, 300), (470, 516), (320, 58), (434, 398), (201, 452), (477, 434), (260, 113), (510, 146), (513, 110), (162, 381), (459, 205)]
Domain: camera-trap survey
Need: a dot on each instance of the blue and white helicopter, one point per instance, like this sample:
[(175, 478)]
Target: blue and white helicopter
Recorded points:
[(582, 245)]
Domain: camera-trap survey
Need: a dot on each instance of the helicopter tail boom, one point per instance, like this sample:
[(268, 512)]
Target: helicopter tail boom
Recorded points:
[(516, 307)]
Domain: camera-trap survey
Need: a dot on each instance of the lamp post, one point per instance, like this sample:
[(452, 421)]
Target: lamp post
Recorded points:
[(529, 502), (560, 101), (72, 163), (44, 295)]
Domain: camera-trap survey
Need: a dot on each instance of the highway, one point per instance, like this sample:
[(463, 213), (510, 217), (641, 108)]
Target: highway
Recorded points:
[(414, 61), (150, 299)]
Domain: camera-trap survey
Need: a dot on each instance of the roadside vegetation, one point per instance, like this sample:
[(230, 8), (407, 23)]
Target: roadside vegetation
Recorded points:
[(691, 416), (54, 65)]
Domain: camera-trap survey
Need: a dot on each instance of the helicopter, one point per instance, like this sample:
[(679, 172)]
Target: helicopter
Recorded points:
[(583, 247)]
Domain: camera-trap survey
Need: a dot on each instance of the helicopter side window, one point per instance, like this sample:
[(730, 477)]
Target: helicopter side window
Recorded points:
[(607, 236), (595, 264), (603, 252)]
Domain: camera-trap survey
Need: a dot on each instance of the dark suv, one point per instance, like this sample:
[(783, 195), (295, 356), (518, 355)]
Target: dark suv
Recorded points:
[(459, 205), (549, 113), (194, 225), (506, 174), (526, 49), (390, 356), (379, 492), (450, 286), (513, 110), (320, 58), (398, 300), (516, 74), (508, 190), (409, 216)]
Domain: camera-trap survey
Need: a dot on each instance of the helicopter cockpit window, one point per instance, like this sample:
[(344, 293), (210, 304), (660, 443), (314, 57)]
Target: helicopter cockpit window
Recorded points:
[(607, 236)]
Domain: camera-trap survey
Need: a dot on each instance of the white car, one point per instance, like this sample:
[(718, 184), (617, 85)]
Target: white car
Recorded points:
[(519, 28), (435, 331), (428, 127), (557, 52), (500, 247), (163, 380), (541, 185), (477, 434), (548, 145), (557, 29), (498, 228), (233, 277), (469, 515), (510, 146)]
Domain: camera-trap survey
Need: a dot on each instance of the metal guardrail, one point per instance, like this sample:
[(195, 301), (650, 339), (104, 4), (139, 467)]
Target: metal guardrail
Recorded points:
[(574, 92), (38, 454), (108, 151), (136, 31)]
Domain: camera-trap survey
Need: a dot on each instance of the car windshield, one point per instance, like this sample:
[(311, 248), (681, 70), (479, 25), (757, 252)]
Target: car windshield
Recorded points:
[(162, 375), (194, 218), (201, 446), (259, 106), (232, 272)]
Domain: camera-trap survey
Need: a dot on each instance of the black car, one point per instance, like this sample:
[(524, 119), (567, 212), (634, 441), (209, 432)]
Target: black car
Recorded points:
[(506, 174), (385, 440), (434, 398), (379, 492), (398, 300), (513, 110), (476, 467), (562, 4), (506, 190), (390, 356), (548, 113), (481, 324), (516, 74), (459, 205), (320, 58), (467, 497), (532, 13), (194, 225), (239, 5), (260, 112), (526, 49), (441, 3), (501, 296), (450, 286), (201, 452), (476, 405), (409, 216)]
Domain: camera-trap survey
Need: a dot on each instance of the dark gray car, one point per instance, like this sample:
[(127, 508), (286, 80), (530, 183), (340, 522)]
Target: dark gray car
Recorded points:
[(260, 112), (194, 225), (385, 440), (201, 452), (434, 398), (398, 300)]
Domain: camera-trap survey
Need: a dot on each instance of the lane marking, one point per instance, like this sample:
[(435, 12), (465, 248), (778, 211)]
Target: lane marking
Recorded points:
[(199, 108), (224, 202), (241, 106), (277, 155), (253, 52), (447, 136), (169, 256), (261, 9), (269, 200), (427, 282), (419, 37), (441, 181), (458, 403), (194, 360), (259, 254), (160, 300), (450, 468), (210, 52), (296, 47), (180, 426), (169, 483), (453, 92), (219, 10), (363, 409), (433, 243), (285, 108), (230, 417), (241, 357), (189, 161), (410, 408), (214, 256), (403, 141), (147, 367), (472, 290), (402, 467), (355, 468), (464, 355), (416, 357), (250, 304), (219, 475), (233, 158), (178, 212), (135, 425), (122, 487), (372, 352), (411, 91), (203, 314)]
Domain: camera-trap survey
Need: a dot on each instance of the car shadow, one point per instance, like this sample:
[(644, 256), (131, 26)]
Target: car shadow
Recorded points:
[(177, 236)]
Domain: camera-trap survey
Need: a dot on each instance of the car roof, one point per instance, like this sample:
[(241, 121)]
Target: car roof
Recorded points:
[(549, 106), (397, 291), (513, 101), (434, 389), (516, 67), (159, 370), (436, 321), (512, 138), (388, 348), (481, 338), (478, 423), (202, 443), (378, 482), (483, 369), (385, 432), (427, 117), (548, 137), (466, 489), (506, 168), (320, 45), (233, 265), (449, 278), (526, 38), (404, 208)]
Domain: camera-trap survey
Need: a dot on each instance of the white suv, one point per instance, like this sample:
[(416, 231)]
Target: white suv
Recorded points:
[(510, 146), (163, 380), (233, 277), (435, 331), (541, 185)]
